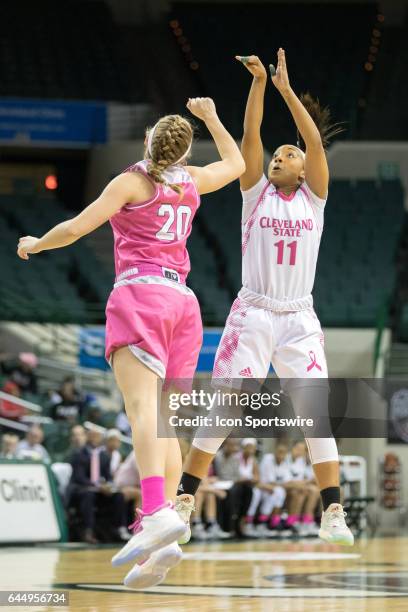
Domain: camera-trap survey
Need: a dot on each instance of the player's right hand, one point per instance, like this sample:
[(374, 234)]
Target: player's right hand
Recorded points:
[(203, 108), (253, 64)]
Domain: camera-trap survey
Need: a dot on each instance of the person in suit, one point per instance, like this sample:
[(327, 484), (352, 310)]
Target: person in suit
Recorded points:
[(91, 487)]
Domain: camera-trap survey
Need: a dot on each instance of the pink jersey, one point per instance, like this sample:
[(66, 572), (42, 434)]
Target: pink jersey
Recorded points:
[(155, 232), (280, 242)]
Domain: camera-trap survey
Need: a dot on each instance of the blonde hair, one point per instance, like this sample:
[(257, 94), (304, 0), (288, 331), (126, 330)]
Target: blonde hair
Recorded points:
[(169, 143)]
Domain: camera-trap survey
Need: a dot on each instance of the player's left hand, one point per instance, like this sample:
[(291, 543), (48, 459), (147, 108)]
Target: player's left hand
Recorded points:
[(203, 108), (27, 245), (280, 76)]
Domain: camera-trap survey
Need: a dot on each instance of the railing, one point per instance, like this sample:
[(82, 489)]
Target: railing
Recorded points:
[(381, 322), (13, 424), (20, 402), (94, 381), (103, 430)]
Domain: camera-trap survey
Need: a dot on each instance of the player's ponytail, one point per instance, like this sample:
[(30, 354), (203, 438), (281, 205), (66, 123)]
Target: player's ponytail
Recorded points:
[(169, 142), (322, 118)]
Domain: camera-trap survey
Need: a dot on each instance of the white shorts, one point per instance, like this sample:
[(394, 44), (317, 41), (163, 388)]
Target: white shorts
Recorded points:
[(255, 337)]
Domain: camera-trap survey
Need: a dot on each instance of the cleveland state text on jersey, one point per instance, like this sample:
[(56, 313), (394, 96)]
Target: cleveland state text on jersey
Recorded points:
[(286, 227)]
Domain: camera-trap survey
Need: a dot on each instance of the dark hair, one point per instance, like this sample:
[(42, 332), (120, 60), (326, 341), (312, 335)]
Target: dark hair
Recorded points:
[(322, 118)]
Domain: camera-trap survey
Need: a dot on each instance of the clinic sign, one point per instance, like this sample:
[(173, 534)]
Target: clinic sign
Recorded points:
[(28, 508), (52, 123)]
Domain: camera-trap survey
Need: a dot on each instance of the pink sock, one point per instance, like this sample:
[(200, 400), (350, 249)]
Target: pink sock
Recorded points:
[(292, 519), (152, 493), (249, 519), (308, 519), (262, 518), (275, 520)]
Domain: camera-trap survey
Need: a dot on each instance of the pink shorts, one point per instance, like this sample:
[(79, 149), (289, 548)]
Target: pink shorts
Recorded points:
[(160, 321)]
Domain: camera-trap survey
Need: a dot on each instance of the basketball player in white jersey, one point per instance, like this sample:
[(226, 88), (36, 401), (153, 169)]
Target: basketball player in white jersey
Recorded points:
[(272, 320)]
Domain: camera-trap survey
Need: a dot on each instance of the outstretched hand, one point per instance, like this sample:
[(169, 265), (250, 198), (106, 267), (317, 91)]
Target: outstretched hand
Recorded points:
[(253, 64), (27, 245), (203, 108), (280, 75)]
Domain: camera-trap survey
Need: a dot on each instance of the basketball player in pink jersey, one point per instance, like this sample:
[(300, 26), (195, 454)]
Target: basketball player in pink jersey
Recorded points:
[(153, 322), (272, 320)]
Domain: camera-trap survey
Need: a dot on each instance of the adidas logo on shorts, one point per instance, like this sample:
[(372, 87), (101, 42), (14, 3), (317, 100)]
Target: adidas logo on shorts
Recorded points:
[(246, 372)]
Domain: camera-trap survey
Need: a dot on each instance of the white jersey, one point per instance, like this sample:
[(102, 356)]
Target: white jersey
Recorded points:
[(309, 473), (246, 468), (297, 468), (280, 240), (271, 471)]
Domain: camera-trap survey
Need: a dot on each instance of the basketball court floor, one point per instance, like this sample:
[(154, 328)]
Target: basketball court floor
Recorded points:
[(256, 576)]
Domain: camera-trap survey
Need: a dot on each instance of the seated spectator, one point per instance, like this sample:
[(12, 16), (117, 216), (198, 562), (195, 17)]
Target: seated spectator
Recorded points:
[(296, 489), (77, 440), (248, 465), (31, 447), (122, 423), (239, 490), (8, 448), (8, 408), (270, 493), (91, 488), (67, 404), (205, 502), (127, 480), (311, 503), (94, 414), (78, 437), (112, 446), (21, 372)]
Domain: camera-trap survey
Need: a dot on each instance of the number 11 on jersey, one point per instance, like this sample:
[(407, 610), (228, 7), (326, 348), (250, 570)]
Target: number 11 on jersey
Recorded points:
[(292, 246)]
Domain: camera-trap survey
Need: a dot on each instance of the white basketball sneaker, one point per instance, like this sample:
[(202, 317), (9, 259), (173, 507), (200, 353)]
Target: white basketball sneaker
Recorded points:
[(184, 506), (153, 571), (214, 532), (333, 528), (249, 530), (262, 531), (151, 532)]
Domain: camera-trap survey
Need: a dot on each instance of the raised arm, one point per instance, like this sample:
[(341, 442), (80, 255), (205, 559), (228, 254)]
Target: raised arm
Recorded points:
[(252, 147), (232, 165), (316, 168), (127, 187)]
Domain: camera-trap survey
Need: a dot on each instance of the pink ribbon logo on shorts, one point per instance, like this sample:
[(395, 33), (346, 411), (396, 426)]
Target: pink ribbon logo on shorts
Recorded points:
[(314, 362)]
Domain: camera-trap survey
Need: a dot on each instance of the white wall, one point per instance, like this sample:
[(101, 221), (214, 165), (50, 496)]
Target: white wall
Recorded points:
[(350, 351), (360, 160)]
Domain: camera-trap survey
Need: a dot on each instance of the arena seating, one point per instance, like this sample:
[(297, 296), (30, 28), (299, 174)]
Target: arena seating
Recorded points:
[(384, 116), (58, 287), (336, 76), (73, 51), (363, 222)]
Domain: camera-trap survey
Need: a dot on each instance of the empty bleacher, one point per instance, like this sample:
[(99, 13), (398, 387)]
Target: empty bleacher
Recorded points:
[(67, 285), (218, 32), (355, 280), (65, 50)]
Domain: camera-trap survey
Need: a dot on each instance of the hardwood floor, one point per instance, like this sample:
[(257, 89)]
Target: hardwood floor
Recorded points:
[(256, 576)]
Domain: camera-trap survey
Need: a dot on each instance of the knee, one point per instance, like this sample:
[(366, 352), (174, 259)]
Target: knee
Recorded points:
[(139, 409), (322, 450)]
